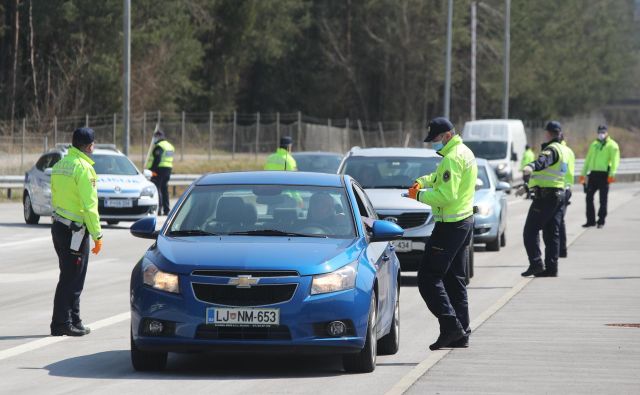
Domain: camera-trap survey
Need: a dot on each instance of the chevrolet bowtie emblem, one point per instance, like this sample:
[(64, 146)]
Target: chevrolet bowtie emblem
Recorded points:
[(243, 281)]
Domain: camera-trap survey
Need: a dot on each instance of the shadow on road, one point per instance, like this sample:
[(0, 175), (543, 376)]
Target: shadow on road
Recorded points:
[(23, 225), (22, 337), (117, 365)]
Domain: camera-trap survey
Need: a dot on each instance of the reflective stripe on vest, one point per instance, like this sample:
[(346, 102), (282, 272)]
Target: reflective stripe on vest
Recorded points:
[(461, 216)]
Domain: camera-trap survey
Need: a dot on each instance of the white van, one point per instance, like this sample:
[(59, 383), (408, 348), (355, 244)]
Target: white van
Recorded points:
[(499, 141)]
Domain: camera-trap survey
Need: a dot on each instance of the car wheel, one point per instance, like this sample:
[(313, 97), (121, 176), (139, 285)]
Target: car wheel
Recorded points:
[(494, 245), (112, 222), (503, 239), (30, 216), (364, 361), (390, 343), (144, 361)]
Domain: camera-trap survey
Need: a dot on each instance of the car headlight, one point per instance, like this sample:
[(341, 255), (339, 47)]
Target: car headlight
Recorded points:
[(155, 278), (485, 209), (149, 191), (502, 167), (338, 280)]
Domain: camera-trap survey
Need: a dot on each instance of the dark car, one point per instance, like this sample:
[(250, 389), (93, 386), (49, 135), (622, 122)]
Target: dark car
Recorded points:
[(318, 162)]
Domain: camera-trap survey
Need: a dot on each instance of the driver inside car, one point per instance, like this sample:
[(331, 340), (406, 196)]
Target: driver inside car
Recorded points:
[(322, 212)]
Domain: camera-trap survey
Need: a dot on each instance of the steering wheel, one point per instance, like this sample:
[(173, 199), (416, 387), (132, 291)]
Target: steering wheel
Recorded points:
[(313, 227)]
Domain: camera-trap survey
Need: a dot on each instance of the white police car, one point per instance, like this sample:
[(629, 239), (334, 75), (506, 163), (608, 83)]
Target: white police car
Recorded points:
[(124, 193)]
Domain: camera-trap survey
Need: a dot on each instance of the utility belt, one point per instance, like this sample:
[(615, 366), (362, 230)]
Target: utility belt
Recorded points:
[(548, 193), (77, 231)]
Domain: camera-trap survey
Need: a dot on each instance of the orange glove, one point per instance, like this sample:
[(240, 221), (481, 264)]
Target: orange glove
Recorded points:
[(611, 180), (413, 191), (581, 179), (98, 246), (154, 174)]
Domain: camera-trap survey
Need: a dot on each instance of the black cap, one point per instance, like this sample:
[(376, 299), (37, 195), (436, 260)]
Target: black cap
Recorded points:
[(438, 126), (602, 128), (553, 126), (527, 146), (158, 133), (82, 137), (286, 140)]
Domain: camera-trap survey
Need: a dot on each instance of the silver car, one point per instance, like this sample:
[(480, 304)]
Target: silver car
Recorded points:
[(124, 193), (491, 201)]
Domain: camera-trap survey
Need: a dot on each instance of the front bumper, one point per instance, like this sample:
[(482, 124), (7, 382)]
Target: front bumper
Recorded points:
[(485, 229), (140, 208), (304, 317)]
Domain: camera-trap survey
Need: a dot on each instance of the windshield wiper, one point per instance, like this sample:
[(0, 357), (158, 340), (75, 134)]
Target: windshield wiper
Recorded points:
[(273, 232), (191, 232)]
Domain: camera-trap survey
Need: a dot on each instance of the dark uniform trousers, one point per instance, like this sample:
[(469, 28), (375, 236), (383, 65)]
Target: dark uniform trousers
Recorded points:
[(442, 275), (162, 183), (563, 228), (598, 182), (545, 213), (73, 270)]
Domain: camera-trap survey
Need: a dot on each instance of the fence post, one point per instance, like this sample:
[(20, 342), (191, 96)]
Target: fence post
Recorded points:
[(55, 130), (233, 148), (159, 118), (400, 134), (115, 126), (46, 143), (86, 120), (299, 138), (182, 137), (364, 145), (277, 128), (210, 133), (24, 131), (143, 157), (384, 144), (257, 133)]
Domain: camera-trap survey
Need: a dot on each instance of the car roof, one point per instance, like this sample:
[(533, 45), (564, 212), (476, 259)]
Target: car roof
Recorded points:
[(100, 149), (272, 177), (494, 121), (316, 153), (394, 152)]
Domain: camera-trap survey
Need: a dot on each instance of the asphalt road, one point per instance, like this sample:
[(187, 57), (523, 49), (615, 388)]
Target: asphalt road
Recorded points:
[(33, 362)]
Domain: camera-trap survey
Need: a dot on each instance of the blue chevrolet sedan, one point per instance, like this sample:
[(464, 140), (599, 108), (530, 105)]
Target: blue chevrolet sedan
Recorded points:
[(268, 262)]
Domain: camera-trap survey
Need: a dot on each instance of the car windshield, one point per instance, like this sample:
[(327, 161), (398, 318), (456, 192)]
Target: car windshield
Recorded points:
[(264, 210), (482, 175), (389, 172), (488, 149), (114, 165), (318, 163)]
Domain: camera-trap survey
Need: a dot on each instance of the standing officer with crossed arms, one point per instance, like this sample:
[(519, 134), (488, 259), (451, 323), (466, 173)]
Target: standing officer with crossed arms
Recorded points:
[(442, 275), (75, 217)]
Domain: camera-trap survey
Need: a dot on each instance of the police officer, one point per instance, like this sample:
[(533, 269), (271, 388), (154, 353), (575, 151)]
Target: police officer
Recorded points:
[(600, 167), (547, 181), (527, 157), (571, 165), (441, 277), (160, 162), (282, 159), (75, 217)]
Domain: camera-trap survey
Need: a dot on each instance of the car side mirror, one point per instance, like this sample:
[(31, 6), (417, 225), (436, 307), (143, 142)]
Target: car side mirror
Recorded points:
[(514, 157), (48, 171), (145, 228), (503, 186), (385, 231), (479, 183), (147, 174)]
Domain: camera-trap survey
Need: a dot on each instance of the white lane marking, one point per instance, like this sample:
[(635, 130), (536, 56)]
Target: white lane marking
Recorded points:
[(6, 278), (435, 356), (512, 202), (47, 341), (20, 242)]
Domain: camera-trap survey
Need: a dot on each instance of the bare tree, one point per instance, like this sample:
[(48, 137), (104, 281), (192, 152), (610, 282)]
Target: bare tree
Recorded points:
[(16, 32), (33, 61)]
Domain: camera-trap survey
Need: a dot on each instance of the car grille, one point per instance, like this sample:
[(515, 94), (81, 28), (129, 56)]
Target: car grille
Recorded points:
[(408, 220), (211, 332), (230, 295)]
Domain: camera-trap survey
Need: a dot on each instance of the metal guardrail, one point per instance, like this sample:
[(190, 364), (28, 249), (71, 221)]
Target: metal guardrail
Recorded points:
[(628, 171)]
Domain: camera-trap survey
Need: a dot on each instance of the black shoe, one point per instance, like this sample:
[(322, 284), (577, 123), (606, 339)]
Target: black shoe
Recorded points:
[(66, 330), (588, 225), (600, 226), (546, 273), (532, 270), (445, 339), (563, 254), (80, 327), (463, 342)]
